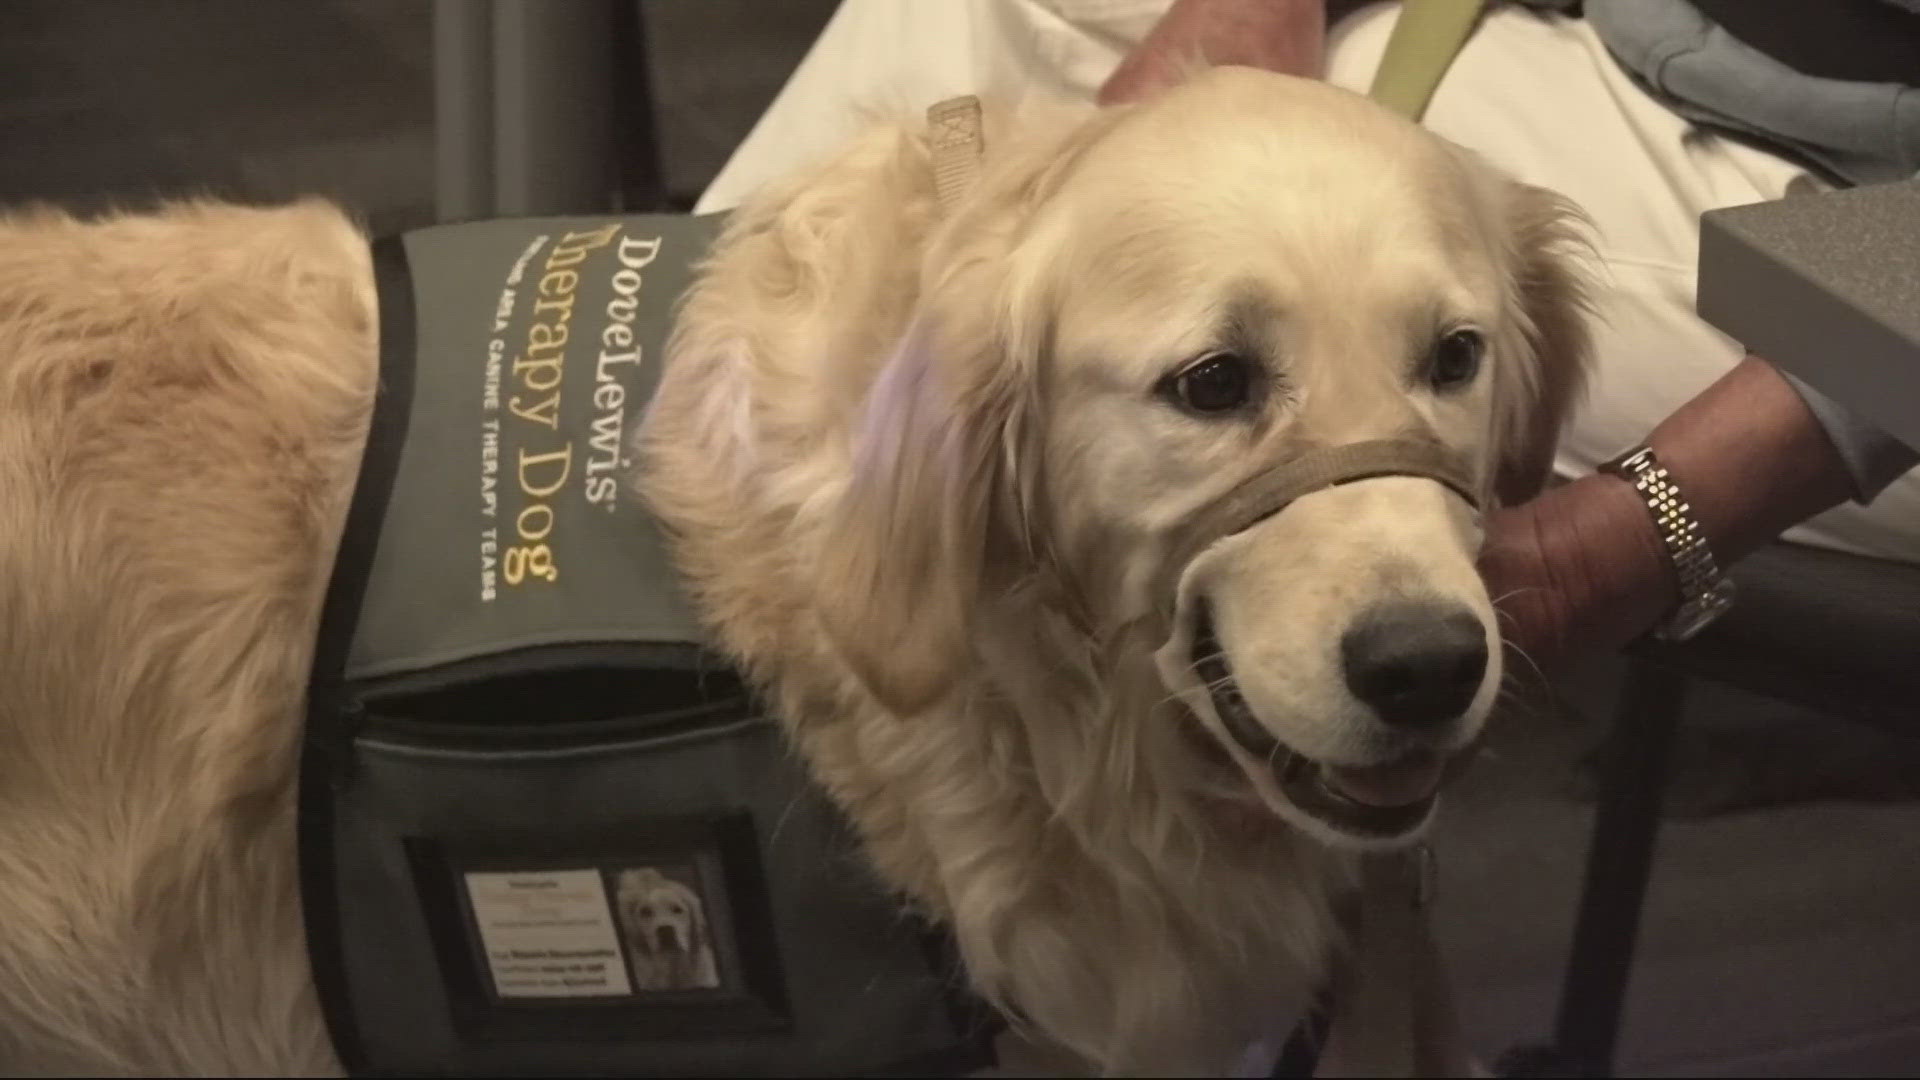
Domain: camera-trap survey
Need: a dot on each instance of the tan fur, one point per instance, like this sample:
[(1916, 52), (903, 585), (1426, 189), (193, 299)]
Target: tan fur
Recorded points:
[(866, 448), (182, 403)]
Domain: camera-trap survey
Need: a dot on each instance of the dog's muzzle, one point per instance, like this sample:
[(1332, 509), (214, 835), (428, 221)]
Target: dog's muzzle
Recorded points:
[(1400, 795), (1266, 494)]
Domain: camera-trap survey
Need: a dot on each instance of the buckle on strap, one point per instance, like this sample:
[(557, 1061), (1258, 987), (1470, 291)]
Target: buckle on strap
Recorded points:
[(953, 133)]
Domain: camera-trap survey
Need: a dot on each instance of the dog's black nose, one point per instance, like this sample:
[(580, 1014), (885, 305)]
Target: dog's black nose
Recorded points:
[(1415, 662)]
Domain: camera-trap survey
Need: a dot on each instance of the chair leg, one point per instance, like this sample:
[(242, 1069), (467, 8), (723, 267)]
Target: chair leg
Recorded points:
[(1619, 857), (1619, 860)]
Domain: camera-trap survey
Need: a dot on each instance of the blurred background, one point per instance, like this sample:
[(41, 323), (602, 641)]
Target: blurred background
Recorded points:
[(119, 102), (1781, 934)]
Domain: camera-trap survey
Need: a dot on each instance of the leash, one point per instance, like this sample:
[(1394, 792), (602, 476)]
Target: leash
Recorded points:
[(1398, 979), (1426, 38)]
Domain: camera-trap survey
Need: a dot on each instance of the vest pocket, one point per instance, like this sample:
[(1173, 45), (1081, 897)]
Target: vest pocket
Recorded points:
[(530, 876)]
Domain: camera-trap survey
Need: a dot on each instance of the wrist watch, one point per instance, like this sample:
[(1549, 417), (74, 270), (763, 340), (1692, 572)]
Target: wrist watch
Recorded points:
[(1705, 592)]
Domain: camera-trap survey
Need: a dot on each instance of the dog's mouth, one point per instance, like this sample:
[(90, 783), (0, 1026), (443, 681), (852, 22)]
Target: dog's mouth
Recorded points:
[(1374, 802)]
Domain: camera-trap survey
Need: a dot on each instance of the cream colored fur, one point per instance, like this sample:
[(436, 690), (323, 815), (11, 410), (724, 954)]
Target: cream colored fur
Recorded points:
[(915, 487)]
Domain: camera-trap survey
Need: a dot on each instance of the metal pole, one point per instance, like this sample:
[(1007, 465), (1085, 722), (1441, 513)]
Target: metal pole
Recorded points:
[(462, 109), (553, 149)]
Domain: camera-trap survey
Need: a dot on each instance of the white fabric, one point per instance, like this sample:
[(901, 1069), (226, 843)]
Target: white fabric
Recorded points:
[(1538, 96)]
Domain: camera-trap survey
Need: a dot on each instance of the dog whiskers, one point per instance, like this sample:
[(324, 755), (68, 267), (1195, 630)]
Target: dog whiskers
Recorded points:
[(1511, 593), (1538, 672)]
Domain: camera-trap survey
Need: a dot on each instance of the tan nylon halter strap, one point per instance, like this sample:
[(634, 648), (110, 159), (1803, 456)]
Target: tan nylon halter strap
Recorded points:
[(953, 134), (1269, 492)]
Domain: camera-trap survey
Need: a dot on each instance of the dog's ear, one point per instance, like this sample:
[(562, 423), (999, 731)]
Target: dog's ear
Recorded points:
[(945, 483), (905, 555), (1550, 346)]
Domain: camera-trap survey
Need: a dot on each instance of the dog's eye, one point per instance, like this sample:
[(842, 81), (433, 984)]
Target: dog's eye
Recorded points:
[(1214, 383), (1455, 360)]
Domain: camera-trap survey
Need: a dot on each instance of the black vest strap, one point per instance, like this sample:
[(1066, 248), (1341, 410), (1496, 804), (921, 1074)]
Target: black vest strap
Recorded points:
[(329, 712)]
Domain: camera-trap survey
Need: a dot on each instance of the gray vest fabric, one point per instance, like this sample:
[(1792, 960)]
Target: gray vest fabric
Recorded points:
[(511, 525), (544, 831)]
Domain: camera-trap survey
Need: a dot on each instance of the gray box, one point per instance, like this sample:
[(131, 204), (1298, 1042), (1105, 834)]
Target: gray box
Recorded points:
[(1827, 287)]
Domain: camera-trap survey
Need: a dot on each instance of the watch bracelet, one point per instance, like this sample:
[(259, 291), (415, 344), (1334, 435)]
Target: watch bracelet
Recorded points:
[(1695, 569)]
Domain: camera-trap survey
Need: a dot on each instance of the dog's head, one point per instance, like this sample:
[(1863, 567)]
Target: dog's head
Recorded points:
[(1120, 326), (662, 915)]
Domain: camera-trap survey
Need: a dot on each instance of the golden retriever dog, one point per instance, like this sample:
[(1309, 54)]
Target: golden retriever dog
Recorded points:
[(924, 469), (921, 468), (667, 942)]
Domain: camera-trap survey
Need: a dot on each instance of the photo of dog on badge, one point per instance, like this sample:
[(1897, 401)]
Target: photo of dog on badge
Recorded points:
[(664, 921)]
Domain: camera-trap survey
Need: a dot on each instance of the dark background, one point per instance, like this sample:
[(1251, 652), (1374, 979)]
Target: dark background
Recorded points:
[(116, 102)]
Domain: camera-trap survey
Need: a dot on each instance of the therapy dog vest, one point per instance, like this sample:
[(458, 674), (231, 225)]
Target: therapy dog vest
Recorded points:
[(542, 829)]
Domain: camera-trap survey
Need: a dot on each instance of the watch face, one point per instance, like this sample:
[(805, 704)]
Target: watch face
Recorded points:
[(1627, 464)]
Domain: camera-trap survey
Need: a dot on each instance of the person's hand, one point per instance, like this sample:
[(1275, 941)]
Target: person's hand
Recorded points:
[(1579, 567), (1582, 566), (1530, 608), (1288, 36)]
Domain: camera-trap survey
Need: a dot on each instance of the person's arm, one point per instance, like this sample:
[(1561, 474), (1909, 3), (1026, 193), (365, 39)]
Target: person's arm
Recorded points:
[(1582, 565), (1288, 36)]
